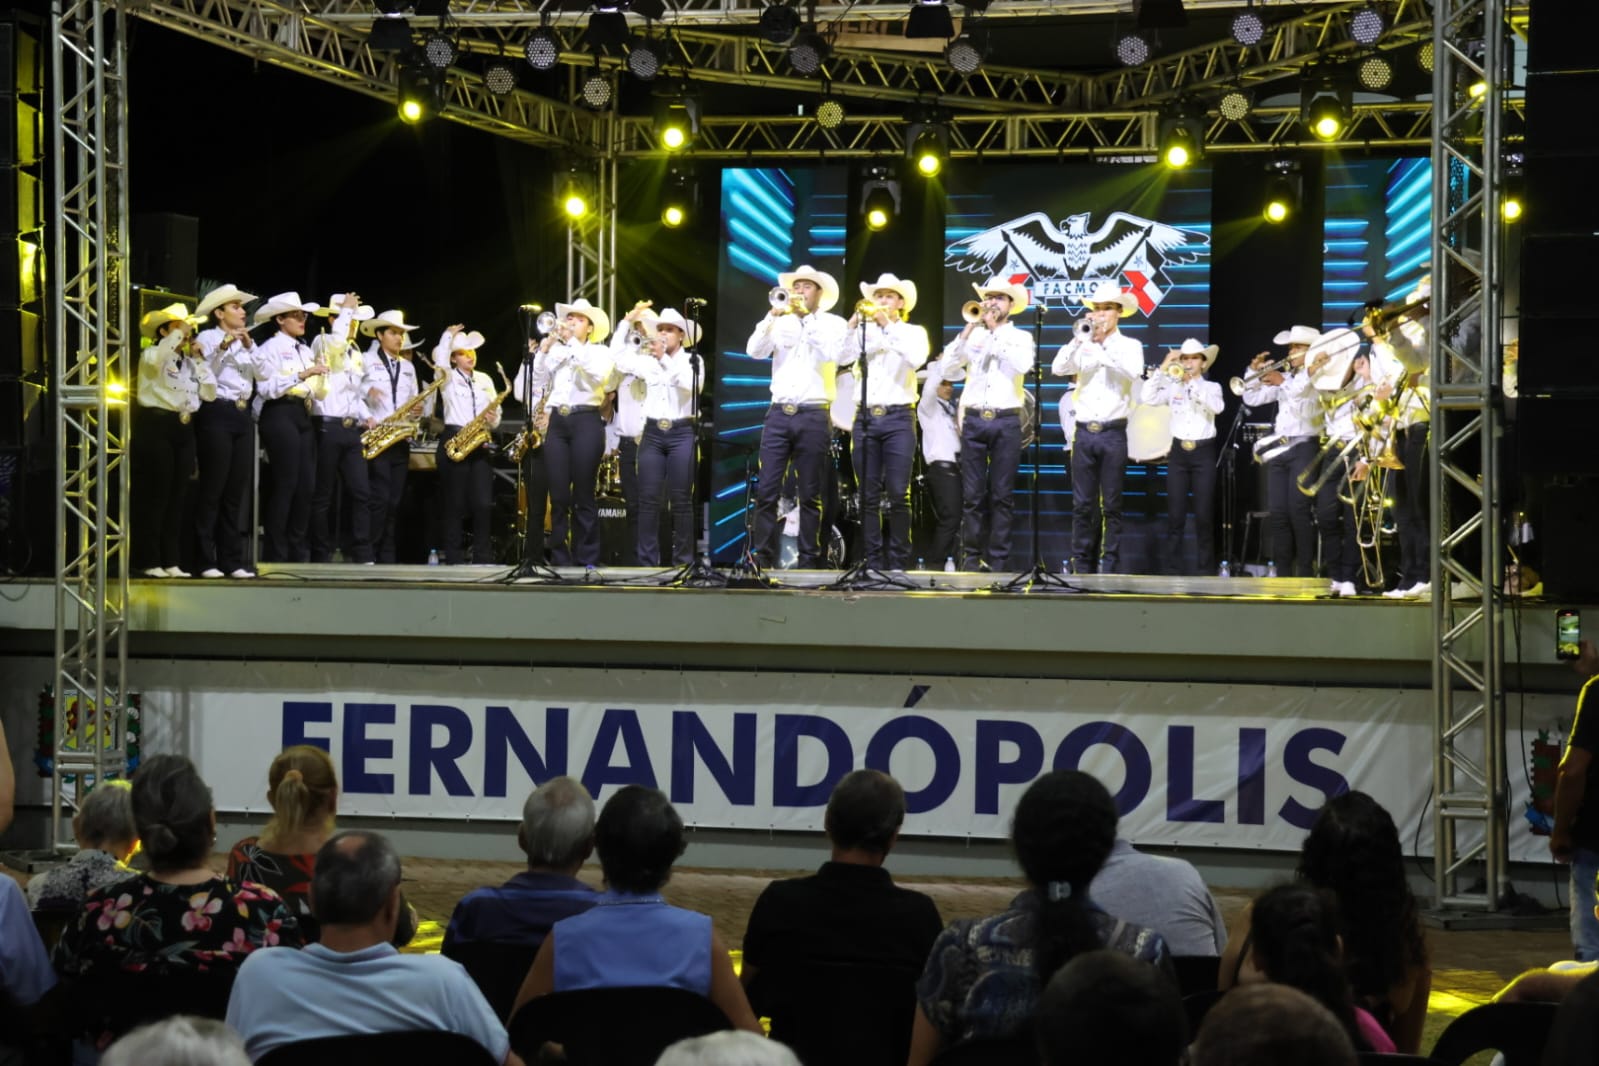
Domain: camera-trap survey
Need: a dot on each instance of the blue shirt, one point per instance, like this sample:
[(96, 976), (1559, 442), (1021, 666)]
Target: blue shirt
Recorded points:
[(25, 972), (282, 996), (629, 940), (519, 912)]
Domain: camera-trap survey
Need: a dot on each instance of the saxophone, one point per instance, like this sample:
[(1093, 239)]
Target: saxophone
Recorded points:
[(528, 437), (477, 432), (400, 425)]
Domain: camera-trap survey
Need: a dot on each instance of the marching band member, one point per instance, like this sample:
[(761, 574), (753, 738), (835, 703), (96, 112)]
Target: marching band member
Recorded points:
[(1191, 464), (339, 414), (996, 356), (222, 430), (389, 383), (574, 367), (173, 381), (1402, 351), (666, 453), (286, 375), (941, 445), (467, 486), (1335, 519), (883, 443), (1107, 364), (535, 500), (627, 424), (1296, 432), (803, 340)]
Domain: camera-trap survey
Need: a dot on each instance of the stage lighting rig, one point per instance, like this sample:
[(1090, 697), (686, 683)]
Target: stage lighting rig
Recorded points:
[(1248, 28), (927, 144), (499, 76), (596, 91), (607, 26), (1284, 186), (678, 196), (440, 49), (678, 123), (808, 52), (930, 19), (390, 33), (1235, 105), (829, 114), (780, 22), (1367, 25), (575, 192), (880, 196), (966, 53), (1133, 49), (543, 47), (1325, 101), (1376, 73), (645, 57), (1181, 142), (420, 92)]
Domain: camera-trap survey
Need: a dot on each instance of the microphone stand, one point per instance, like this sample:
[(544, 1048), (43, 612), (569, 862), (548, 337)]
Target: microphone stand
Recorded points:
[(535, 571), (699, 573), (1227, 466)]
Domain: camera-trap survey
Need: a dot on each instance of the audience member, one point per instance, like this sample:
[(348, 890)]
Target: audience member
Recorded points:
[(8, 784), (1269, 1025), (633, 937), (303, 790), (557, 834), (106, 836), (1165, 894), (850, 910), (25, 973), (1106, 1007), (984, 976), (731, 1048), (354, 981), (181, 1040), (1574, 837), (1574, 1036)]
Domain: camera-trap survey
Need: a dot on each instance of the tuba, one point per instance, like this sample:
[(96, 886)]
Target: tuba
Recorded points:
[(400, 425), (477, 432)]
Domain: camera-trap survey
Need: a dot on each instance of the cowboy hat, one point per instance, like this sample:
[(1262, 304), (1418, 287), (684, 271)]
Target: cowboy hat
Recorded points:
[(670, 317), (411, 344), (600, 320), (1297, 335), (283, 303), (1017, 293), (1334, 343), (905, 289), (1108, 292), (1422, 291), (394, 319), (222, 295), (824, 281), (957, 374), (335, 307), (466, 342), (150, 323), (1193, 347)]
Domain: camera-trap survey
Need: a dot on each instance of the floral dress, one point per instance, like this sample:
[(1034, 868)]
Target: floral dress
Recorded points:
[(286, 874)]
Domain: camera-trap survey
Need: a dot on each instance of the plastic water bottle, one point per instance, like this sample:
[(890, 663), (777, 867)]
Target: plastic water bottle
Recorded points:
[(433, 557), (1271, 568), (921, 564), (1226, 570), (949, 564)]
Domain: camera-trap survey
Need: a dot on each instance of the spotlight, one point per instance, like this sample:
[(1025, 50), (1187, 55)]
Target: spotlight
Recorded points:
[(1235, 105), (607, 27), (1248, 28), (576, 194), (500, 77), (543, 49), (1283, 187), (879, 197), (1324, 106), (1367, 25), (1510, 208), (421, 93), (1477, 89), (930, 18), (439, 49), (808, 52), (597, 90), (966, 53), (1132, 49), (644, 59), (678, 123), (389, 34), (927, 145), (1182, 141), (780, 23), (677, 198), (1424, 56), (1376, 73), (830, 114), (411, 110), (1326, 118)]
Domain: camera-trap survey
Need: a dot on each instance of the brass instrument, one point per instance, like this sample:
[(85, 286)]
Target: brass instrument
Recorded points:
[(868, 308), (477, 432), (529, 436), (971, 310), (1174, 371), (1236, 385), (401, 425), (1326, 464), (786, 302), (1382, 319)]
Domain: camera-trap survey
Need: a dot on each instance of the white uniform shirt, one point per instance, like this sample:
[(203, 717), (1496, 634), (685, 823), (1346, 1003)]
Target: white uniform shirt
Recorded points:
[(996, 362), (232, 364), (941, 438), (893, 355), (342, 394), (573, 373), (628, 421), (172, 381), (1194, 405), (465, 395), (668, 383), (1400, 351), (1297, 406), (1106, 372), (278, 363), (804, 350), (388, 384)]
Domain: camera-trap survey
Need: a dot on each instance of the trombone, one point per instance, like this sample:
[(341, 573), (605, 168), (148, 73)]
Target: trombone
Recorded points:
[(1252, 377)]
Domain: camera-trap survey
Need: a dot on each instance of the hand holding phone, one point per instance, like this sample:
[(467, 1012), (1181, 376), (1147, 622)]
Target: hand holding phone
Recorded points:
[(1568, 635)]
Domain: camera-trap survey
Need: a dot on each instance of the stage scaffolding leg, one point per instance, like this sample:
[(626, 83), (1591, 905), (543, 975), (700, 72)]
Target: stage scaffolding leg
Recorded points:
[(591, 241)]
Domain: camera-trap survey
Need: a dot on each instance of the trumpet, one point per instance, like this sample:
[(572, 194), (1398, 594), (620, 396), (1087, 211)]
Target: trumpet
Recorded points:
[(1174, 371), (1251, 377), (971, 310), (786, 302), (867, 308), (546, 323)]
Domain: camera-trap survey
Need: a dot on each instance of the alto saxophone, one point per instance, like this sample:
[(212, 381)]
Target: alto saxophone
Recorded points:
[(528, 437), (477, 432), (400, 425)]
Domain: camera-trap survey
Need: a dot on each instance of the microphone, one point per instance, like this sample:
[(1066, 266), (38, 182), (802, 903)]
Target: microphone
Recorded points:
[(694, 301), (529, 307)]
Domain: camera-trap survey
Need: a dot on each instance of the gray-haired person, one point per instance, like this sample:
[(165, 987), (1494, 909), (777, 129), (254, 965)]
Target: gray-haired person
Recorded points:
[(181, 1040), (106, 836)]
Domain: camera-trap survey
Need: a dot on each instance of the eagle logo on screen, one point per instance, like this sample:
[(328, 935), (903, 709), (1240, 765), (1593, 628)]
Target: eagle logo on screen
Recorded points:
[(1067, 262)]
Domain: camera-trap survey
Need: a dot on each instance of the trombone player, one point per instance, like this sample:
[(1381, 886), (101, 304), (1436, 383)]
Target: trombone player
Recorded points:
[(1399, 348), (1334, 517), (1295, 434)]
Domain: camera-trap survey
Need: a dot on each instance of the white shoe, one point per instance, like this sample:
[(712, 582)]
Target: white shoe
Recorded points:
[(1395, 594), (211, 572), (1343, 588), (1421, 590), (155, 571), (242, 573), (177, 571)]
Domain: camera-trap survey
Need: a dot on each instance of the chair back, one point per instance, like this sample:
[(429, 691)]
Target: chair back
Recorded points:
[(126, 999), (51, 922), (1011, 1051), (1197, 1006), (839, 1013), (1378, 1058), (425, 1047), (613, 1026), (1196, 973), (498, 970), (1517, 1031)]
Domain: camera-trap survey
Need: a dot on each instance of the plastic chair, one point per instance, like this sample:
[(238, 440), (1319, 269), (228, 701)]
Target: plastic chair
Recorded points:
[(428, 1046), (1012, 1051), (1196, 973), (498, 970), (124, 1000), (613, 1026), (839, 1013), (1518, 1031)]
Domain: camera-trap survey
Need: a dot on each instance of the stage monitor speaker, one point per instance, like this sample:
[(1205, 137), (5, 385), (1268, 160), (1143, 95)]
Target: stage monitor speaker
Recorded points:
[(1570, 515), (1549, 436), (166, 250), (22, 381), (1560, 36)]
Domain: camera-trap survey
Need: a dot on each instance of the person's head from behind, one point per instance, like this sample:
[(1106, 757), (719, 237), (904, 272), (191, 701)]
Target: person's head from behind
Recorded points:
[(1105, 1006), (864, 814), (638, 836), (172, 810), (1269, 1025), (1062, 832), (557, 830), (181, 1040), (1294, 941), (105, 821), (303, 791), (729, 1048), (356, 885)]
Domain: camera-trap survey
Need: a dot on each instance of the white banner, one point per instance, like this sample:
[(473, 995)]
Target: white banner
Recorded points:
[(1190, 764)]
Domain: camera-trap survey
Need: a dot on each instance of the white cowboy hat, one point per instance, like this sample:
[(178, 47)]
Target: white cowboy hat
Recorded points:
[(222, 295), (1017, 293), (411, 344), (691, 331), (335, 307), (1297, 335), (1422, 291), (1334, 343), (906, 289), (597, 316), (394, 319), (466, 342), (958, 374), (1193, 347), (824, 281), (1108, 292), (283, 303), (170, 313)]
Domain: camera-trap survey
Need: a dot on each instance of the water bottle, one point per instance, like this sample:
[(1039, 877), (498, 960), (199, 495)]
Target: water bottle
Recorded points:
[(433, 557), (921, 563), (1226, 571), (1271, 568), (949, 564)]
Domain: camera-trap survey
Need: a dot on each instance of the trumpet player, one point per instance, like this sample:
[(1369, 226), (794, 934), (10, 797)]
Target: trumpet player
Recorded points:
[(666, 451), (941, 446), (804, 340), (339, 413), (627, 423), (1401, 351), (173, 381), (467, 486), (1107, 364), (1297, 428), (286, 376), (390, 383), (222, 431), (1191, 464), (883, 443), (573, 368), (996, 356)]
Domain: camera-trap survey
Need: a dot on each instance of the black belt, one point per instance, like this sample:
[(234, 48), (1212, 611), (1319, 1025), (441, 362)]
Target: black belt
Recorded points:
[(242, 403), (1190, 445), (665, 424), (878, 410), (1100, 427), (181, 416), (943, 462), (796, 408), (453, 429), (988, 414), (285, 401), (575, 409), (327, 420)]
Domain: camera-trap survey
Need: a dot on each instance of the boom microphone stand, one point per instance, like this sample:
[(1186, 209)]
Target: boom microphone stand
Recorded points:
[(533, 568), (699, 573)]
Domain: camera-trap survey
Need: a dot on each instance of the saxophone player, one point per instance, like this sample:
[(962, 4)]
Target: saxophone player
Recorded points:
[(286, 373), (467, 486), (573, 368), (390, 383), (339, 413), (666, 451)]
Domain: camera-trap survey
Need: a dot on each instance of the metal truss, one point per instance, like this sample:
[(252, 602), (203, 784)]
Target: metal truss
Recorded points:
[(1470, 823), (92, 371), (591, 241)]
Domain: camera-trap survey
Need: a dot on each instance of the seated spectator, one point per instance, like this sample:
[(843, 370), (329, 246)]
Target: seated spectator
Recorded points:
[(1574, 1036), (557, 834), (354, 981), (181, 1040), (1106, 1007), (8, 785), (1164, 894), (303, 790), (1270, 1025), (106, 836), (984, 975), (633, 937), (25, 973), (731, 1048), (850, 910)]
